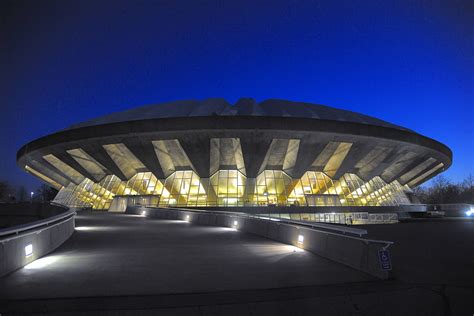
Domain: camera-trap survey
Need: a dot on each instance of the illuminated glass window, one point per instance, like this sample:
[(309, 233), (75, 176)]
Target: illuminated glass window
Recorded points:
[(100, 195), (183, 188), (375, 192), (318, 189), (229, 187), (275, 187)]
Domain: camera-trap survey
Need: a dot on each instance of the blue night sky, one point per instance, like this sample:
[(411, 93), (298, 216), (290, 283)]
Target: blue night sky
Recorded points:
[(406, 62)]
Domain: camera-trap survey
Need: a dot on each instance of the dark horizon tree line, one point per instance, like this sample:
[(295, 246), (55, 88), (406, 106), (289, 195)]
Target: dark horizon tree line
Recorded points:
[(443, 191), (12, 194)]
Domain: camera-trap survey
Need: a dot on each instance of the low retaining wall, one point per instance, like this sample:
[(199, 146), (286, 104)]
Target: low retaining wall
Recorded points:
[(12, 214), (43, 239), (315, 209), (358, 253)]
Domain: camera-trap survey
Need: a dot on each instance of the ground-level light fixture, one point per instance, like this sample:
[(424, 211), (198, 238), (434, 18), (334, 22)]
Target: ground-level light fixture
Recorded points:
[(300, 239), (187, 217), (28, 250), (235, 224), (144, 213)]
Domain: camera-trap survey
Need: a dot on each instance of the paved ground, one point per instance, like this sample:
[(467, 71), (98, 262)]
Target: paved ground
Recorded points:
[(133, 265), (432, 251), (111, 255)]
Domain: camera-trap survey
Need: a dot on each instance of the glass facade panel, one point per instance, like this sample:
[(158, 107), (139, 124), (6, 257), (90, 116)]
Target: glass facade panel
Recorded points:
[(100, 195), (229, 188), (348, 218)]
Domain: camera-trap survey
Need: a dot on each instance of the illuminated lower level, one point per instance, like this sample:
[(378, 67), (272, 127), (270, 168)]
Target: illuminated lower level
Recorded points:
[(230, 188)]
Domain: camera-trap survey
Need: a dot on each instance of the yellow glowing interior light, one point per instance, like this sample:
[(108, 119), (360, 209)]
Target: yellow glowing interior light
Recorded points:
[(165, 193), (184, 188)]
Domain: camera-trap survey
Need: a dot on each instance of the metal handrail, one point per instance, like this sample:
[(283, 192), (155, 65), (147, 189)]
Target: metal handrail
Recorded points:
[(437, 204), (385, 242), (29, 226), (342, 229)]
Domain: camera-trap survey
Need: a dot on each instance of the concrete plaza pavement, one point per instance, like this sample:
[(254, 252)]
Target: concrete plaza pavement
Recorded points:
[(132, 265), (117, 254)]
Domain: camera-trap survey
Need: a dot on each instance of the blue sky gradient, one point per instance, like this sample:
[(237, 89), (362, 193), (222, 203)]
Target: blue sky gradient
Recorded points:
[(406, 62)]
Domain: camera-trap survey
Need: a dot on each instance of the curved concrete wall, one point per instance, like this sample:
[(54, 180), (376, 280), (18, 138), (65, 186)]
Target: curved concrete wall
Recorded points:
[(360, 254), (43, 240)]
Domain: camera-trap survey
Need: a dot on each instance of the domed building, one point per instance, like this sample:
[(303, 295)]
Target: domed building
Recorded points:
[(212, 154)]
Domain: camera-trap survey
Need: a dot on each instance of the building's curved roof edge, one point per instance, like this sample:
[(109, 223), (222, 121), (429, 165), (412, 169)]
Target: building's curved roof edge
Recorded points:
[(113, 129), (243, 107)]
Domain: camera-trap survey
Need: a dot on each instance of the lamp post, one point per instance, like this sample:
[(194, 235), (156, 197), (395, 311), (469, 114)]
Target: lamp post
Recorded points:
[(31, 194)]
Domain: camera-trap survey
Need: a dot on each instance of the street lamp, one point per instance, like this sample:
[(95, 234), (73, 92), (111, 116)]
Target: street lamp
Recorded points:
[(31, 194)]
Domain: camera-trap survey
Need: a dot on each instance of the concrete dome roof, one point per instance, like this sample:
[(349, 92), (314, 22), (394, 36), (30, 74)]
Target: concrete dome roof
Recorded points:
[(244, 107), (253, 137)]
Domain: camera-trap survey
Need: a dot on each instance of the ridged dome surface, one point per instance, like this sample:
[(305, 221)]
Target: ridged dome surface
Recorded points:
[(244, 107)]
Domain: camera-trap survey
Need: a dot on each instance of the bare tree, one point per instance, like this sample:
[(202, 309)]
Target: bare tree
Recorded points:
[(467, 193), (4, 191), (22, 194), (468, 182), (442, 191)]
